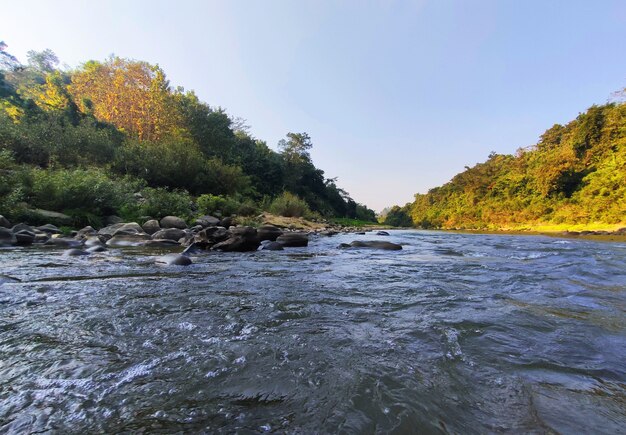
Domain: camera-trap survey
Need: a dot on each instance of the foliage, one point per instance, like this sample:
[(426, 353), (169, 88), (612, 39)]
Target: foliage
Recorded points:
[(289, 205), (80, 192), (574, 175), (159, 202), (119, 119)]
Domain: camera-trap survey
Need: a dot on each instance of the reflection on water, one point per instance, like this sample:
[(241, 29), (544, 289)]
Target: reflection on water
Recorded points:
[(455, 333)]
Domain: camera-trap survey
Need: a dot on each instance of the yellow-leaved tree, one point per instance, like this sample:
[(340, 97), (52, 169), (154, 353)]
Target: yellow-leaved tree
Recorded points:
[(134, 96)]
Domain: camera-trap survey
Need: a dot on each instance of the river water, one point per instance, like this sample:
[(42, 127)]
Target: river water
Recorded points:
[(456, 333)]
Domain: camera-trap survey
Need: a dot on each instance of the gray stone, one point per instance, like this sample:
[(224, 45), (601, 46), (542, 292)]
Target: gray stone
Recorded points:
[(129, 228), (74, 252), (161, 243), (375, 244), (7, 238), (173, 222), (293, 240), (207, 221), (86, 232), (22, 227), (169, 234), (4, 222), (273, 246), (96, 248), (49, 229), (174, 260), (63, 242), (269, 232), (151, 226), (24, 237), (122, 240), (226, 222)]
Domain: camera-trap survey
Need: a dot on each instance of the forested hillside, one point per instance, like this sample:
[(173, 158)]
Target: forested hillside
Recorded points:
[(114, 138), (574, 175)]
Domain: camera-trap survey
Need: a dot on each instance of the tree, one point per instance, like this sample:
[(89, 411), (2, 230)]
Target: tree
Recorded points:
[(134, 96), (296, 147)]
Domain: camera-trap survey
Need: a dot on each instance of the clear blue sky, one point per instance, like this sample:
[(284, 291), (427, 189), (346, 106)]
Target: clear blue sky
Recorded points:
[(397, 96)]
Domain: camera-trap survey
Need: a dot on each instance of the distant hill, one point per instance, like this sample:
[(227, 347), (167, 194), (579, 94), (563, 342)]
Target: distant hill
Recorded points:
[(575, 175)]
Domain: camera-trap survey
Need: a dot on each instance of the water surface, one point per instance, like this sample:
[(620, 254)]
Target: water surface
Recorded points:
[(456, 333)]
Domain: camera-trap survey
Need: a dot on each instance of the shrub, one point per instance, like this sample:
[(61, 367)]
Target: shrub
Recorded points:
[(217, 204), (160, 202), (80, 190), (289, 205)]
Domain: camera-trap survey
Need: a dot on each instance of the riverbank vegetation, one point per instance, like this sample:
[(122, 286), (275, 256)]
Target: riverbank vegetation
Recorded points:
[(113, 137), (573, 178)]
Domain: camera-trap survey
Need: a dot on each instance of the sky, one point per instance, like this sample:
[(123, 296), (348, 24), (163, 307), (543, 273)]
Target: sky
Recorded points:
[(397, 96)]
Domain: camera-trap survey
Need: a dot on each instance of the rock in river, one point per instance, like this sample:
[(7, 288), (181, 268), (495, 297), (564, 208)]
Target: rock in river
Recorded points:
[(293, 240), (372, 244), (173, 222), (174, 260)]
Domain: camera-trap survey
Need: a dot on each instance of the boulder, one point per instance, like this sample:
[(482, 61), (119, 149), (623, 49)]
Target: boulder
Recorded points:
[(122, 240), (24, 237), (173, 222), (226, 222), (129, 228), (293, 240), (151, 226), (41, 238), (7, 238), (4, 222), (174, 260), (241, 239), (96, 248), (161, 243), (94, 241), (269, 232), (373, 244), (22, 227), (329, 233), (63, 242), (49, 229), (74, 252), (237, 244), (197, 247), (273, 246), (88, 231), (207, 221), (212, 234), (382, 233), (169, 234), (109, 230)]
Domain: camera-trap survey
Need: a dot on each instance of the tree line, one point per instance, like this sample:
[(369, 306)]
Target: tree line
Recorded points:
[(575, 174), (110, 136)]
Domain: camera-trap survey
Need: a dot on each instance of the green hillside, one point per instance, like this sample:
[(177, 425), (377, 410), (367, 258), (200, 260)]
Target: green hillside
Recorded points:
[(113, 137), (574, 177)]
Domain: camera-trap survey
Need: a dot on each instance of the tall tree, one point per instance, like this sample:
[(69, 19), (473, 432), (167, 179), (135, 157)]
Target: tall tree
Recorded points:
[(134, 96)]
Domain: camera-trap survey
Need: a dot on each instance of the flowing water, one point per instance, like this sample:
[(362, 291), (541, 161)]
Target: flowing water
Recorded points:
[(456, 333)]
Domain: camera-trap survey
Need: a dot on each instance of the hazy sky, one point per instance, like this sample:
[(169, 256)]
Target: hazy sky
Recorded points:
[(397, 96)]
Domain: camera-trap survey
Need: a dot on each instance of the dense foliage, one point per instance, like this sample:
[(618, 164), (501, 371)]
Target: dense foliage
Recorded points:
[(576, 174), (114, 138)]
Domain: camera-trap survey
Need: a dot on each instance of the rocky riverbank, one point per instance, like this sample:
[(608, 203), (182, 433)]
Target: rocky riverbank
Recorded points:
[(206, 233)]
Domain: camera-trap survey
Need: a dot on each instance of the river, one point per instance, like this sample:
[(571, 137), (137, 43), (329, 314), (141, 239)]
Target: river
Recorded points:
[(456, 333)]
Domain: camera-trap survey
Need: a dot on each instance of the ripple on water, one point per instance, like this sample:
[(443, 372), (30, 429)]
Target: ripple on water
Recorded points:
[(456, 331)]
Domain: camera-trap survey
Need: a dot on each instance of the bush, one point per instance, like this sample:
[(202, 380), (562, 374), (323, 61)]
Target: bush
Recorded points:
[(217, 205), (80, 190), (289, 205), (160, 202)]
